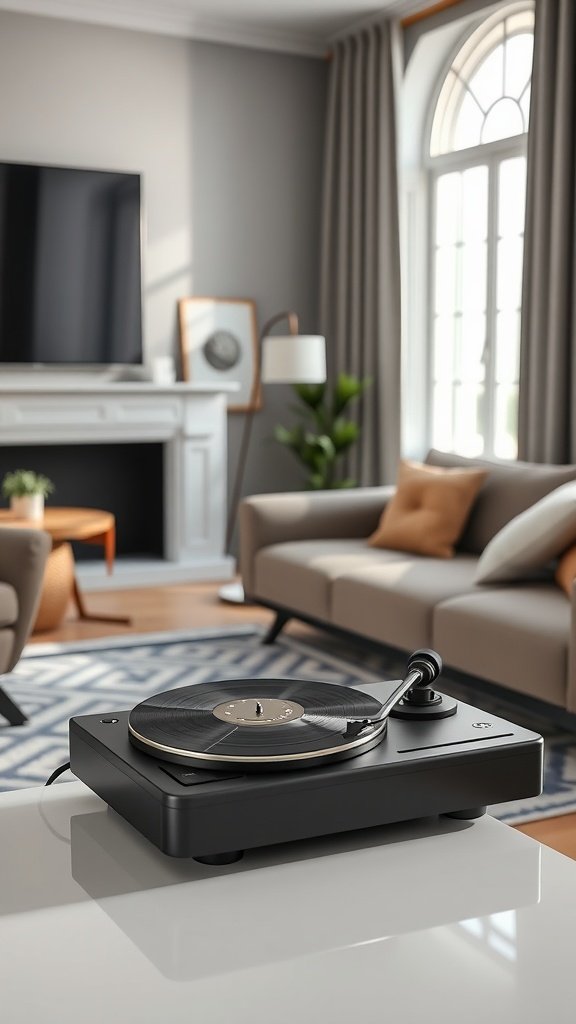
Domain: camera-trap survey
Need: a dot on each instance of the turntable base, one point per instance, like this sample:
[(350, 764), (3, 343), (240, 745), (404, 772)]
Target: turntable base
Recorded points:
[(456, 765)]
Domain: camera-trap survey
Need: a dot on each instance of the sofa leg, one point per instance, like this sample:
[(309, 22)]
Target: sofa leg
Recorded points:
[(10, 710), (276, 628)]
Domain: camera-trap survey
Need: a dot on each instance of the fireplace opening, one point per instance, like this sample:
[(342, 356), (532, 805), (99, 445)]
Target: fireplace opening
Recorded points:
[(126, 479)]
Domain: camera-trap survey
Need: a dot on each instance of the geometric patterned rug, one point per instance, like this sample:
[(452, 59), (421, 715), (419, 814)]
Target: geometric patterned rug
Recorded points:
[(53, 682)]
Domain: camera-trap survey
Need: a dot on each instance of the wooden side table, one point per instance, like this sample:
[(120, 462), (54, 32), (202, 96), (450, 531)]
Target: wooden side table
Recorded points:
[(89, 525)]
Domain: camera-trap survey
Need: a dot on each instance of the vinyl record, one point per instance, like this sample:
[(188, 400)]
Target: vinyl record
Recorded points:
[(255, 723)]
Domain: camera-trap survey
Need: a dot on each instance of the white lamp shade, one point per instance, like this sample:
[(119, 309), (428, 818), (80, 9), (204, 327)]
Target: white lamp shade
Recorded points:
[(294, 359)]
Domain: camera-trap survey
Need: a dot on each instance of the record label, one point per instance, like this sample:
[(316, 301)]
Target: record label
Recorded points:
[(267, 711)]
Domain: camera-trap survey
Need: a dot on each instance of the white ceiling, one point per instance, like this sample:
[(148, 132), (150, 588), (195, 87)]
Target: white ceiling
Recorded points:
[(296, 26)]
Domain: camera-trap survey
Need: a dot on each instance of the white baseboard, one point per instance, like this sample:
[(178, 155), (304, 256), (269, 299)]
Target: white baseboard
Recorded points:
[(150, 572)]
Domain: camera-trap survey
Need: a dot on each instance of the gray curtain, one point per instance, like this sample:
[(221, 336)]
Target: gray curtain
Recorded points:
[(547, 409), (360, 256)]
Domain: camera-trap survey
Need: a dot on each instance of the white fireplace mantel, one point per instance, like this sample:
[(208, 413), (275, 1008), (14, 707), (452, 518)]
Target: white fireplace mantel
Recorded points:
[(189, 419)]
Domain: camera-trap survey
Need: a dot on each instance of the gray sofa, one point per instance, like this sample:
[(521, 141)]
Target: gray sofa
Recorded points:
[(305, 555), (23, 554)]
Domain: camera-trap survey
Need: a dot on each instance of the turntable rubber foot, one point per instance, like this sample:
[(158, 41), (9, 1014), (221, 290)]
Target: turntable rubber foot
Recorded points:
[(468, 812), (221, 858)]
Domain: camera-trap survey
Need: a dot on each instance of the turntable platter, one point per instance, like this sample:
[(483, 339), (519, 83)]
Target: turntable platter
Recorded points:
[(261, 724)]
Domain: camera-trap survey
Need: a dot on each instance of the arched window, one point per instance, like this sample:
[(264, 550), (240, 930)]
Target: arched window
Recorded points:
[(477, 167)]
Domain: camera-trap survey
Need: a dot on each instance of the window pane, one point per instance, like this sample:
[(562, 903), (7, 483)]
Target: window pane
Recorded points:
[(491, 63), (502, 121), (446, 279), (507, 347), (518, 63), (472, 341), (512, 196), (487, 83), (467, 427), (447, 209), (468, 126), (442, 417), (475, 204), (509, 273), (506, 426), (473, 297), (444, 347)]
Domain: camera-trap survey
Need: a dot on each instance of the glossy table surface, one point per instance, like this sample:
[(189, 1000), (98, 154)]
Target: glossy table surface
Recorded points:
[(437, 921)]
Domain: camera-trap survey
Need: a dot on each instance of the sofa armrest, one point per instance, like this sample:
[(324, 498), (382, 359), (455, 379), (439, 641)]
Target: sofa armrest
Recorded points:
[(23, 554), (267, 519)]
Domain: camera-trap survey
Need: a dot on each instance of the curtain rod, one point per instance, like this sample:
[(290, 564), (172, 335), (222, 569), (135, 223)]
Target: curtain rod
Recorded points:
[(412, 19), (427, 12)]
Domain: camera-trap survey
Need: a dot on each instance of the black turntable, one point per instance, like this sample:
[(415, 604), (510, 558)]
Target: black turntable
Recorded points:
[(212, 769)]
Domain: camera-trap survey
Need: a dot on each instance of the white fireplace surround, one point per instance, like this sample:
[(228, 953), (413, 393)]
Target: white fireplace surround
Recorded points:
[(189, 419)]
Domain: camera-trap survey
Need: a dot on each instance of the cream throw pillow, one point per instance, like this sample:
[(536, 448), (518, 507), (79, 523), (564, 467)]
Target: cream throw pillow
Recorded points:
[(429, 510), (531, 540)]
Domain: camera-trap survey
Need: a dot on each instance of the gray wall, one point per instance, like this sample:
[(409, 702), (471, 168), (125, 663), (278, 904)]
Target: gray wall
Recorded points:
[(258, 124), (105, 98), (229, 141)]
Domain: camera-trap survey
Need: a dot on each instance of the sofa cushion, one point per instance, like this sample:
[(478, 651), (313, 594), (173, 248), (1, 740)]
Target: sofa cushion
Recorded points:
[(392, 600), (516, 636), (531, 540), (8, 605), (427, 514), (510, 488), (299, 574)]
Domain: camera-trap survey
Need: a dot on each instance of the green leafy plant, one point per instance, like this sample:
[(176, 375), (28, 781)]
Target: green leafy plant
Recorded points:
[(22, 482), (324, 433)]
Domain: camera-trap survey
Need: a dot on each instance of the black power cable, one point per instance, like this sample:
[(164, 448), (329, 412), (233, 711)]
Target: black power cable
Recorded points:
[(55, 774)]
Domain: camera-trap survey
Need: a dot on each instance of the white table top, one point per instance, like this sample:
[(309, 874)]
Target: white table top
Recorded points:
[(436, 921)]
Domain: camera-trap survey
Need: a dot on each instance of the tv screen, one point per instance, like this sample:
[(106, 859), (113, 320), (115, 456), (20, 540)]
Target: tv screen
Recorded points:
[(70, 266)]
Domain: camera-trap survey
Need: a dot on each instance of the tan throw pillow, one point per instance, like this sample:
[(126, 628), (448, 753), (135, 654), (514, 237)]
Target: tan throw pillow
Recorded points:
[(429, 509), (566, 570)]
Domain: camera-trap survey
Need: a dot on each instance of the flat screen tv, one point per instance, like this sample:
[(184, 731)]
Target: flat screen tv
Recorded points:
[(70, 266)]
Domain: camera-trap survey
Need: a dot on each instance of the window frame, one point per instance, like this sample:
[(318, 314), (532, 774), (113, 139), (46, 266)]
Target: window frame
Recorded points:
[(491, 155)]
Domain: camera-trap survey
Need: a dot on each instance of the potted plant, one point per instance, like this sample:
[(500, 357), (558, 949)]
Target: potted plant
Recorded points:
[(26, 491), (321, 444)]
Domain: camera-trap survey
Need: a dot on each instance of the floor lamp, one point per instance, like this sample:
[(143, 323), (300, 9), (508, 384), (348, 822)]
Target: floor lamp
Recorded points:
[(282, 359)]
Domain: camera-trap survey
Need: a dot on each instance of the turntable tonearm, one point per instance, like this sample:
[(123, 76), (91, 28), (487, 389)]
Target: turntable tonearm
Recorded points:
[(212, 769)]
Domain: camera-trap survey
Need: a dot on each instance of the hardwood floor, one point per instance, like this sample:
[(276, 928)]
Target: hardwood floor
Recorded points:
[(195, 605), (178, 606), (558, 833)]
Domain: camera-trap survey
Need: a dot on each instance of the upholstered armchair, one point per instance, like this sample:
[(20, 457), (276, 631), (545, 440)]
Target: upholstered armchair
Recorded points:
[(23, 554)]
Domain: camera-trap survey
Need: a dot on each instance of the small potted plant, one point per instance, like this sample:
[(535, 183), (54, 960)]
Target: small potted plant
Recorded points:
[(26, 491), (324, 434)]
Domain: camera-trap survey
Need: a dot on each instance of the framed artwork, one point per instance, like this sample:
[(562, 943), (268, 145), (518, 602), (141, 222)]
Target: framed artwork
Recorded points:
[(219, 344)]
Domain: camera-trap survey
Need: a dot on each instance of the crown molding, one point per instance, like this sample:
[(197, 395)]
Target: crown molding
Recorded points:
[(171, 21)]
